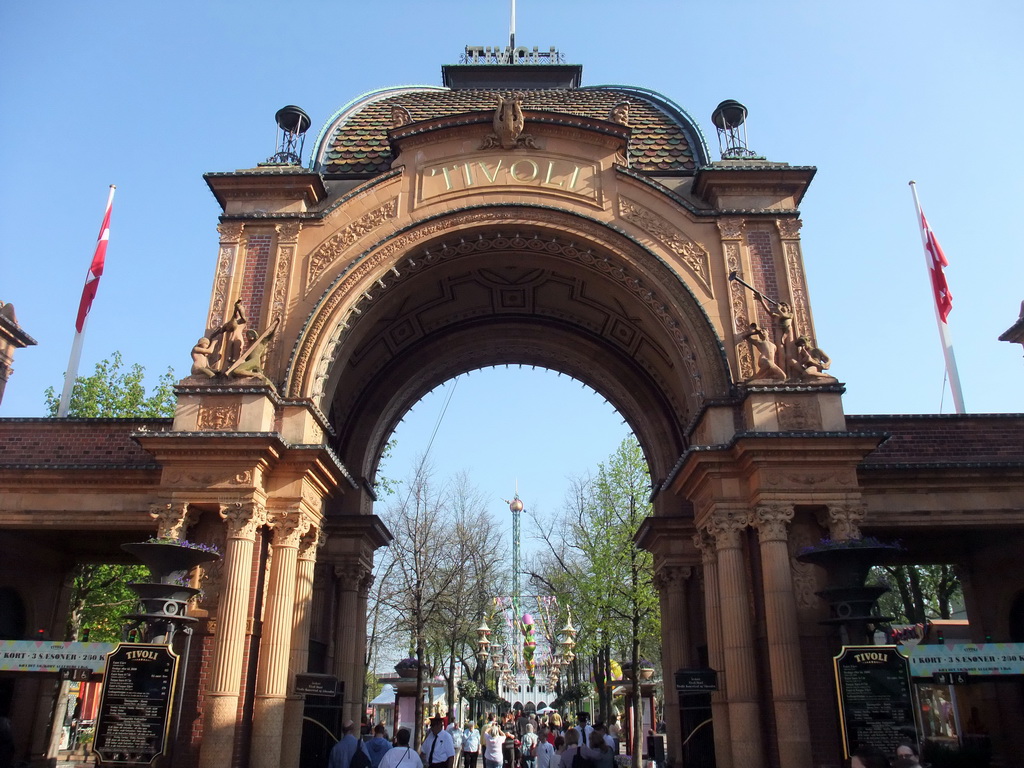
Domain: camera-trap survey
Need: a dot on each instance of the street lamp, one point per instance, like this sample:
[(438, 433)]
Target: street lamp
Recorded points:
[(483, 644)]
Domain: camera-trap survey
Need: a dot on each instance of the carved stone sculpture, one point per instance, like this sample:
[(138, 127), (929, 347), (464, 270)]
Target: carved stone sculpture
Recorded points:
[(250, 364), (508, 125), (400, 116), (766, 367), (233, 332), (620, 113)]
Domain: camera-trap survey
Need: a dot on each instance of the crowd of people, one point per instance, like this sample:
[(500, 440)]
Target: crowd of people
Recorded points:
[(907, 756), (517, 740)]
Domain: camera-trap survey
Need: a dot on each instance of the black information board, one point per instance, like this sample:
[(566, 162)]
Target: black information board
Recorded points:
[(135, 711), (876, 705), (693, 681), (316, 685)]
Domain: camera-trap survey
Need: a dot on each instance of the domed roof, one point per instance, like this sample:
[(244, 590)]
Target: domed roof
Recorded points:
[(354, 143)]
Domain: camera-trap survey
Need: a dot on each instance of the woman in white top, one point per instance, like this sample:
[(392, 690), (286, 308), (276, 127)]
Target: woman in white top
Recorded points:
[(470, 745), (494, 738)]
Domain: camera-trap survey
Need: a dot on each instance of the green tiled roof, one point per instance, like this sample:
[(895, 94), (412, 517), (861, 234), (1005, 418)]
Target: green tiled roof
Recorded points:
[(663, 139)]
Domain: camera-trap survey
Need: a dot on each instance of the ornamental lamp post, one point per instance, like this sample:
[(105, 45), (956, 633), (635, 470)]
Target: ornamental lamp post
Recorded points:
[(483, 644)]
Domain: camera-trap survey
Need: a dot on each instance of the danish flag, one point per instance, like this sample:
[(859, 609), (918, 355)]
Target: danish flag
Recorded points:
[(936, 262), (92, 279)]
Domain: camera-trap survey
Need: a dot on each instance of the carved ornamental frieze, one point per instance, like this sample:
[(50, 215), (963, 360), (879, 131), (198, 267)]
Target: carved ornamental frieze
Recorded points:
[(219, 418), (693, 254), (508, 122), (335, 246)]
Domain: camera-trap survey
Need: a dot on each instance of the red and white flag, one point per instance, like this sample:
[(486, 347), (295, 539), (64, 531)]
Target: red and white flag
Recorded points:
[(936, 262), (92, 279)]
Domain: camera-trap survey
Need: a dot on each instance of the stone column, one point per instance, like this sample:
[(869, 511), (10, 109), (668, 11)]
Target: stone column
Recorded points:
[(359, 673), (221, 699), (276, 640), (727, 526), (298, 662), (670, 581), (704, 541), (346, 630), (788, 694)]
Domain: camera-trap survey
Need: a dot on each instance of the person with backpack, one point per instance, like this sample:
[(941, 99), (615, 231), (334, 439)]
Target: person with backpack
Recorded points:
[(343, 754), (378, 745), (529, 746)]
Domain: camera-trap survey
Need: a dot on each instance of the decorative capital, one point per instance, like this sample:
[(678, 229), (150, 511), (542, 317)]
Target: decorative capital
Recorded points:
[(726, 526), (843, 520), (705, 542), (351, 575), (243, 518), (672, 576), (288, 527), (313, 539), (789, 228), (173, 519), (230, 231), (730, 227), (365, 583), (288, 232), (771, 521)]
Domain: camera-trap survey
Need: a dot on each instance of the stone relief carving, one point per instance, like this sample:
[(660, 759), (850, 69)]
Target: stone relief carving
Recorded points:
[(797, 285), (390, 251), (804, 582), (220, 284), (218, 418), (279, 296), (738, 307), (330, 250), (694, 255), (799, 415), (508, 123)]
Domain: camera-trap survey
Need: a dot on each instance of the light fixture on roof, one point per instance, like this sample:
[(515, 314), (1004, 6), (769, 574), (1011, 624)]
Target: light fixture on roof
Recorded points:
[(730, 118), (292, 123)]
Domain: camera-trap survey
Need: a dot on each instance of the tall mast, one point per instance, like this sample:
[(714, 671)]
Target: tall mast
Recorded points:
[(516, 507), (512, 33)]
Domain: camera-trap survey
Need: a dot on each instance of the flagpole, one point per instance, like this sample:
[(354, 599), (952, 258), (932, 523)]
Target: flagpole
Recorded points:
[(944, 335), (91, 278)]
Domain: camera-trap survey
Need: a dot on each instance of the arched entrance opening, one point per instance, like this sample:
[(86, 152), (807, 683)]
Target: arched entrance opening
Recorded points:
[(537, 288)]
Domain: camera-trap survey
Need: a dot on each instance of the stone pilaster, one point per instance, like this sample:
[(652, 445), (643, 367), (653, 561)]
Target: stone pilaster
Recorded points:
[(221, 702), (788, 694), (705, 542), (299, 659), (365, 583), (727, 527), (670, 581), (276, 640)]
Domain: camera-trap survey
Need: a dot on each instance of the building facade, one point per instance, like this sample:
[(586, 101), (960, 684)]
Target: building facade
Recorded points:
[(512, 216)]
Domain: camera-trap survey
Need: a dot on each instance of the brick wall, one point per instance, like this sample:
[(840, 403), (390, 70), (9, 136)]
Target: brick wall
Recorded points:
[(940, 439), (762, 266), (254, 276), (70, 442)]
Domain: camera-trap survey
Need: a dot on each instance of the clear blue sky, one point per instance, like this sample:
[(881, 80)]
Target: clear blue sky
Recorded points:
[(149, 96)]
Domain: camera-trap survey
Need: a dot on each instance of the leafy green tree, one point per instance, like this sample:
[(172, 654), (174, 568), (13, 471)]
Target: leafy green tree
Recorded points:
[(918, 592), (100, 597), (597, 569), (114, 392)]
